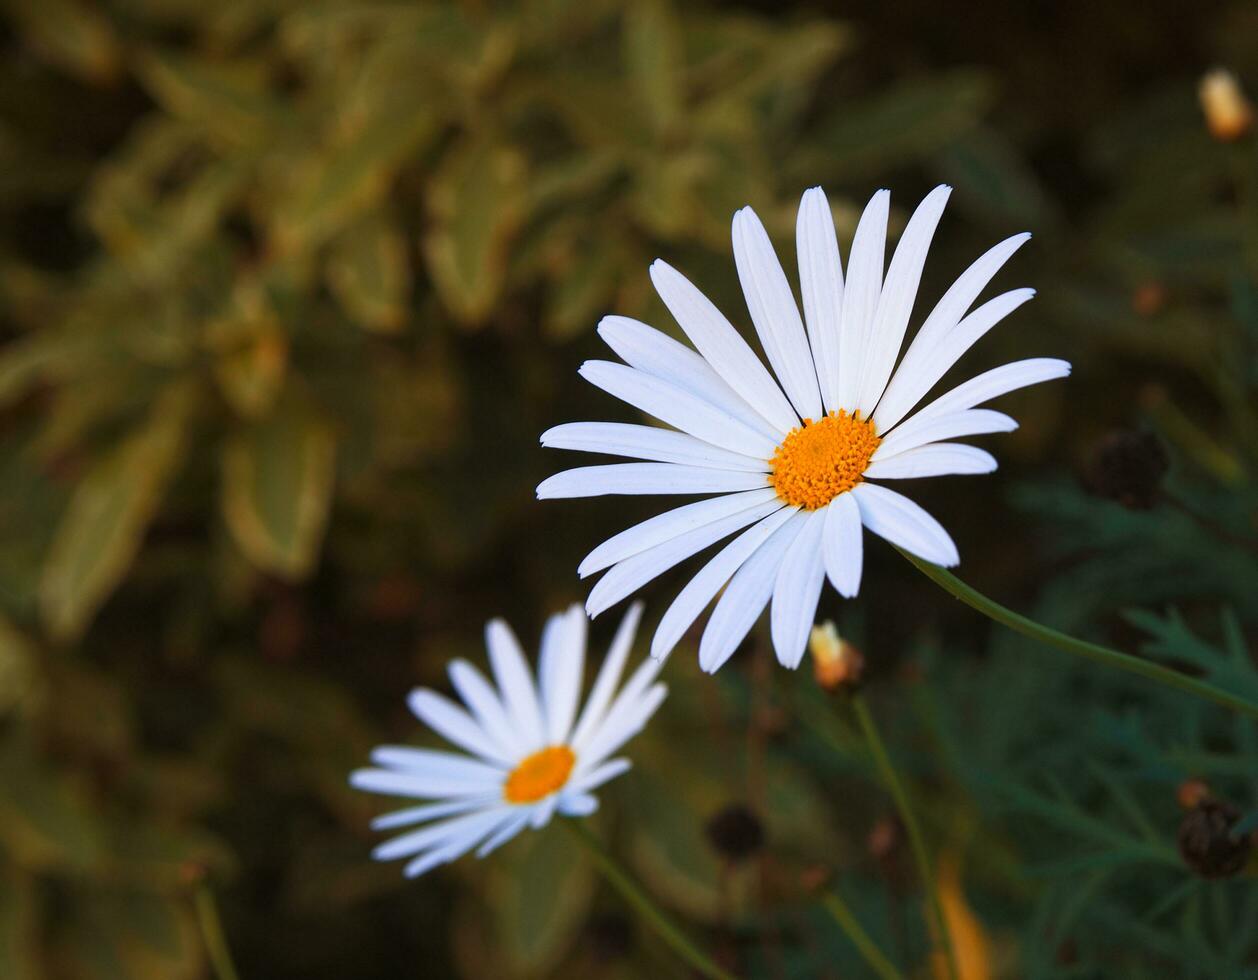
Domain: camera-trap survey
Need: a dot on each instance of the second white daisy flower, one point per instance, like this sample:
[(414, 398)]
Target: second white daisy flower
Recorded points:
[(791, 455)]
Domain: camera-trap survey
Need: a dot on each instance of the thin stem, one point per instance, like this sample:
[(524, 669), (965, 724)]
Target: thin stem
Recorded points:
[(917, 842), (212, 933), (868, 949), (641, 903), (1093, 651)]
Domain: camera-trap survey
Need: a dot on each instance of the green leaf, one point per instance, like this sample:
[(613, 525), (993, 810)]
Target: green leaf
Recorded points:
[(45, 819), (654, 57), (370, 274), (109, 512), (277, 488), (477, 199)]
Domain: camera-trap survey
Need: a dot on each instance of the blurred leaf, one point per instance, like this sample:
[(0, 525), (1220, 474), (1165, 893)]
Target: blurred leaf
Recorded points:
[(46, 821), (477, 199), (542, 899), (108, 515), (19, 956), (990, 176), (75, 34), (18, 676), (653, 53), (369, 271), (277, 488)]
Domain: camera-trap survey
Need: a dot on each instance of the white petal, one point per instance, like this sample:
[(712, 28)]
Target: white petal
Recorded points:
[(649, 350), (994, 383), (577, 804), (608, 676), (944, 318), (628, 576), (895, 304), (510, 828), (677, 407), (968, 422), (933, 459), (483, 701), (774, 313), (860, 295), (604, 772), (436, 764), (470, 827), (722, 347), (797, 590), (902, 522), (701, 589), (390, 782), (842, 545), (560, 671), (432, 811), (745, 597), (821, 283), (543, 810), (515, 685), (669, 525), (647, 442), (646, 478), (625, 719), (451, 722)]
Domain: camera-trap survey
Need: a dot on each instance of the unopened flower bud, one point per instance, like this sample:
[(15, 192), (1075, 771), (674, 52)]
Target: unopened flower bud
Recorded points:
[(1191, 793), (1207, 842), (836, 663), (1128, 466), (1229, 114), (735, 832)]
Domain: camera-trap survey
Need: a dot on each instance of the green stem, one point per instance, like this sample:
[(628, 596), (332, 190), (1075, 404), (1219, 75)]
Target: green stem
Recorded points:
[(1093, 651), (860, 938), (641, 903), (212, 934), (917, 842)]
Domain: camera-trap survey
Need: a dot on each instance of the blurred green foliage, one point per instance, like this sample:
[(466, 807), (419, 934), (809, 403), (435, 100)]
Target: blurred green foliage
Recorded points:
[(287, 291)]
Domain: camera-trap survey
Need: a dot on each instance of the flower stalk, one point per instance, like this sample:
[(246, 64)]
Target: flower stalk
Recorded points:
[(1093, 651), (868, 949), (216, 948)]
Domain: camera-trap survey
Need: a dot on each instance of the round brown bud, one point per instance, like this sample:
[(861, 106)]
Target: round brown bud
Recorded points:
[(1207, 843), (735, 832), (1192, 793), (1128, 466)]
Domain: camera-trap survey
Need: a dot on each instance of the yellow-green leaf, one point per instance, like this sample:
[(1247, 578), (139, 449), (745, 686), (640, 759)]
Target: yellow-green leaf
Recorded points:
[(369, 273), (277, 488)]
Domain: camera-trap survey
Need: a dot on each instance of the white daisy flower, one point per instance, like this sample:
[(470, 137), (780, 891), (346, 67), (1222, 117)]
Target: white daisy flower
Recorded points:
[(796, 463), (523, 756)]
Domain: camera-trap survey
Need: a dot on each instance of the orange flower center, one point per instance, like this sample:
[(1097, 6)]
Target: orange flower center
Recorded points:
[(820, 460), (539, 774)]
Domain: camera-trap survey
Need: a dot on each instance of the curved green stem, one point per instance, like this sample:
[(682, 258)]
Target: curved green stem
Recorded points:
[(868, 949), (212, 934), (1093, 651), (641, 903), (917, 841)]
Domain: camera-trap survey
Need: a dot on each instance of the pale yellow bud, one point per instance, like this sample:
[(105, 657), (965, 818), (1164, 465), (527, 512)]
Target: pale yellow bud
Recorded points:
[(835, 662), (1229, 114)]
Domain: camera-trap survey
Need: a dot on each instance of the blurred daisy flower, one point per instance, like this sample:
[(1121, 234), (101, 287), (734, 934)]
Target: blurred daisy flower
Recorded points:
[(792, 461), (525, 752)]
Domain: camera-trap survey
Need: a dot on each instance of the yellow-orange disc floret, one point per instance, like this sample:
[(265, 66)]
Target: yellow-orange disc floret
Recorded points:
[(820, 460), (539, 775)]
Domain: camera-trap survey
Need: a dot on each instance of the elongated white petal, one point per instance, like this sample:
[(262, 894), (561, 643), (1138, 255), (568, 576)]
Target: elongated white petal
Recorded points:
[(608, 676), (668, 525), (677, 407), (455, 846), (644, 478), (627, 717), (842, 545), (721, 346), (933, 459), (649, 350), (860, 295), (745, 597), (969, 422), (510, 827), (560, 670), (797, 590), (431, 811), (647, 442), (821, 283), (454, 724), (598, 775), (774, 313), (485, 705), (631, 574), (904, 391), (895, 303), (577, 804), (543, 810), (436, 764), (992, 384), (902, 522), (422, 787), (701, 589), (440, 834), (515, 685)]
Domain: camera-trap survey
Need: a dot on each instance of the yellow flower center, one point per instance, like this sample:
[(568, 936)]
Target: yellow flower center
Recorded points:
[(820, 460), (539, 774)]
